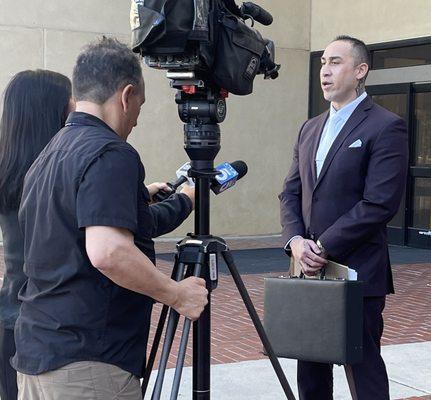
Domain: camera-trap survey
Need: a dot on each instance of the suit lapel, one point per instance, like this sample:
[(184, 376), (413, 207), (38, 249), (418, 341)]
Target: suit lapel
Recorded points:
[(315, 143), (360, 113)]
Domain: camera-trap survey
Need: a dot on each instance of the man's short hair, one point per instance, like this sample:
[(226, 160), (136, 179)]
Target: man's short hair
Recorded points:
[(360, 50), (103, 67)]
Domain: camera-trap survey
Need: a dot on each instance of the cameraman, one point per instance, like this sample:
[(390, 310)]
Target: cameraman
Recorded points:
[(89, 256)]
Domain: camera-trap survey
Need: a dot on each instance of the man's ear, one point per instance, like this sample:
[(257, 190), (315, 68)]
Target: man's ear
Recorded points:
[(127, 92), (362, 70)]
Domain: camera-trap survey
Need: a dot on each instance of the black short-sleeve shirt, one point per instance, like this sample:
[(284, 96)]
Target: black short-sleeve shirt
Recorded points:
[(86, 176)]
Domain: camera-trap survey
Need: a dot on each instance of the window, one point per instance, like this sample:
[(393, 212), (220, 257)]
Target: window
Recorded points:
[(408, 56)]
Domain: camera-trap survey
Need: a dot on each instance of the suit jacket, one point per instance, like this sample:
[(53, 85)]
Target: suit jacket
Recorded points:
[(357, 193)]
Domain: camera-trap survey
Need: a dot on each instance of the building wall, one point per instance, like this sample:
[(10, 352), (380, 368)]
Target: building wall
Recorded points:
[(259, 129), (370, 20)]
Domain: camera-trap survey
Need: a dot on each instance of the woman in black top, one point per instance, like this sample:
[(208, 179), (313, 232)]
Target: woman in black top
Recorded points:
[(36, 105)]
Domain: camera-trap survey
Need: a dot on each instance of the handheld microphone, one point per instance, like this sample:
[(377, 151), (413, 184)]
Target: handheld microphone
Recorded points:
[(256, 12), (162, 195), (228, 175), (182, 177), (184, 171)]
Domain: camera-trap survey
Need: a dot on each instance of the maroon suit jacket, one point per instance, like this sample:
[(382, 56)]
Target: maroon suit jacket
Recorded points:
[(357, 193)]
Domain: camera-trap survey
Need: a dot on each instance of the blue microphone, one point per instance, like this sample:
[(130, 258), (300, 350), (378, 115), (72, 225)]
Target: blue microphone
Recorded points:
[(229, 174)]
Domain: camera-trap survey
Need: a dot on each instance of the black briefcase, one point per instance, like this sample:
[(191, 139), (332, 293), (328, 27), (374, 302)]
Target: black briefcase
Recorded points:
[(316, 320)]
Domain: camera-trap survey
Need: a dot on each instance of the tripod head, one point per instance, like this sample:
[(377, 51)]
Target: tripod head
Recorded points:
[(201, 106)]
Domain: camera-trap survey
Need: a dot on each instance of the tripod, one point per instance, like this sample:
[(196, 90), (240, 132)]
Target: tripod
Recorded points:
[(198, 254)]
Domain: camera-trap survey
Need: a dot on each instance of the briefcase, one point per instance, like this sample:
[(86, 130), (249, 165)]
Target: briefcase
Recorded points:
[(316, 320)]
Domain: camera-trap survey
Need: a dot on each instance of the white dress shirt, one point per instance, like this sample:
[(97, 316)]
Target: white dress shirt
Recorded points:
[(333, 126)]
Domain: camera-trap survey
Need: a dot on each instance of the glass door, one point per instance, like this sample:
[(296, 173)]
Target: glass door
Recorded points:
[(396, 98), (419, 218)]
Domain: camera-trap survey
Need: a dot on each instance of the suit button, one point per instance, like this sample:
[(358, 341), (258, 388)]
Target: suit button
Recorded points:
[(315, 199)]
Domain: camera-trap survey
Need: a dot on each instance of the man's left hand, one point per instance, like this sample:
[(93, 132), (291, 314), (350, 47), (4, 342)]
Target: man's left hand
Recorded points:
[(155, 187)]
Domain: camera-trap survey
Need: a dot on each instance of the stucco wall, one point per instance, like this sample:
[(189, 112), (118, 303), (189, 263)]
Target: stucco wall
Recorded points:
[(370, 20), (259, 129)]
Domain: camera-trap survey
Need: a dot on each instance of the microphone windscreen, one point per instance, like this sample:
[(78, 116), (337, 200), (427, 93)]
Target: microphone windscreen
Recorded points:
[(240, 167)]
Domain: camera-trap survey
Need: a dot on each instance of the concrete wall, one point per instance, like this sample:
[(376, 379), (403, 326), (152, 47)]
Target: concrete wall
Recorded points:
[(260, 128), (370, 20)]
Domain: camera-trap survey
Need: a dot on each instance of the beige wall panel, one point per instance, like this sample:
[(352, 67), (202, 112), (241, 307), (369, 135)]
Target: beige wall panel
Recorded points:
[(370, 20), (78, 15), (260, 129), (291, 26), (62, 48), (419, 73), (20, 49)]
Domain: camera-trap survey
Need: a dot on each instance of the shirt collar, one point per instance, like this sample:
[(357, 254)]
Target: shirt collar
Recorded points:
[(345, 112), (85, 119)]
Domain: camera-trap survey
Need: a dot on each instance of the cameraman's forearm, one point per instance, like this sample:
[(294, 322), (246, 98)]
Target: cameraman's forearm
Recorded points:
[(115, 255), (170, 213)]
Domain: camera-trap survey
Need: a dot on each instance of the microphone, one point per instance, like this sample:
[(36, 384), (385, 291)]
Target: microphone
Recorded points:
[(162, 195), (225, 179), (182, 177), (184, 171), (228, 175), (256, 12)]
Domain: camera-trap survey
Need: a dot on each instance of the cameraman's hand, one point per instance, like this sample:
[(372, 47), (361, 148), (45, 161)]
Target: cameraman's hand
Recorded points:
[(192, 297), (308, 254), (155, 187), (189, 191)]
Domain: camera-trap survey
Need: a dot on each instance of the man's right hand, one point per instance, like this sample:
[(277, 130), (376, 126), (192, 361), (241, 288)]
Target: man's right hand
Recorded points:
[(308, 254), (192, 297)]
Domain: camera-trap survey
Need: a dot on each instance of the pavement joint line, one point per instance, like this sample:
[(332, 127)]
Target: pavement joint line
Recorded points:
[(409, 386)]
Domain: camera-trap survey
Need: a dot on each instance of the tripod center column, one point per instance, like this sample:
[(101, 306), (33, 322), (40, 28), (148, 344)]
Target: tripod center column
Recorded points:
[(202, 143)]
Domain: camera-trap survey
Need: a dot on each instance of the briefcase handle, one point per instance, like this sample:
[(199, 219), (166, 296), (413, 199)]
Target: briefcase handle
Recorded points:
[(321, 276)]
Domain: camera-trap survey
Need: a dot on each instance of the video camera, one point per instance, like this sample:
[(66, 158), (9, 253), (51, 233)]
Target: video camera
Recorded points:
[(204, 42)]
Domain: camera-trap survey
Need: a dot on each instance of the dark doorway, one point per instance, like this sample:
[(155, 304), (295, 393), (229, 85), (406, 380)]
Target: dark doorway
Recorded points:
[(419, 222), (412, 102)]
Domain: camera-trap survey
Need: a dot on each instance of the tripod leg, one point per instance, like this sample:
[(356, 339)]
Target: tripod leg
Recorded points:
[(156, 341), (351, 381), (169, 338), (183, 348), (154, 348), (227, 256)]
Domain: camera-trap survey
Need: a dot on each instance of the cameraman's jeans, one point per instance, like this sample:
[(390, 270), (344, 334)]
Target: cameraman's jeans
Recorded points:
[(84, 380)]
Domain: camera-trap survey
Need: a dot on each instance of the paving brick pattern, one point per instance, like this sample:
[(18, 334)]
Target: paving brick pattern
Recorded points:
[(419, 398)]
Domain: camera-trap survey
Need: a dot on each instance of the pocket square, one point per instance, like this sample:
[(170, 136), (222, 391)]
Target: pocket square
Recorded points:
[(357, 143)]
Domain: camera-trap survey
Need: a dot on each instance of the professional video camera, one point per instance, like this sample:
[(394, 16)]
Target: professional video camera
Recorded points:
[(207, 40)]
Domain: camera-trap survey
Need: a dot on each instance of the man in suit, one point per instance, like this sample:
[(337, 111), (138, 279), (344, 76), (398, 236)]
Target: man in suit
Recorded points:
[(345, 184)]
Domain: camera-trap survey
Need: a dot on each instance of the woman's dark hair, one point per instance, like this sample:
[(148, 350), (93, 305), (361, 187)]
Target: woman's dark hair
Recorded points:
[(35, 108)]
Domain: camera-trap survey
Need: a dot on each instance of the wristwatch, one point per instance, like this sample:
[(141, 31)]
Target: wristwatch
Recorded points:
[(320, 246)]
